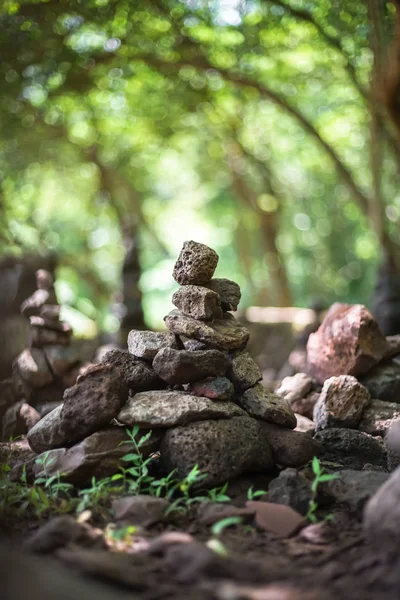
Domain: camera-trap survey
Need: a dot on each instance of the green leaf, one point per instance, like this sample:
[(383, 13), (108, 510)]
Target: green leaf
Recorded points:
[(219, 526), (316, 466), (328, 477)]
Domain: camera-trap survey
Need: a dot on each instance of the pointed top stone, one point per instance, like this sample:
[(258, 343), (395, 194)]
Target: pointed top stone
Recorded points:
[(195, 265)]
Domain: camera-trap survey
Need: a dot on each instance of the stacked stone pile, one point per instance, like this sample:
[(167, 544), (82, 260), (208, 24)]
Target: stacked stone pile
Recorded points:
[(194, 386), (352, 388), (47, 367)]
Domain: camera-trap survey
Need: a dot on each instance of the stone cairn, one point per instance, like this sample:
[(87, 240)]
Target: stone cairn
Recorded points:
[(47, 367), (350, 394), (195, 387)]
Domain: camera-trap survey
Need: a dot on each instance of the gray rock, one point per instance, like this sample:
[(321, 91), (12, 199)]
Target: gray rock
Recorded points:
[(42, 323), (50, 311), (295, 387), (228, 291), (224, 334), (48, 433), (290, 489), (215, 388), (198, 302), (169, 409), (146, 344), (195, 265), (55, 534), (138, 375), (18, 420), (383, 381), (222, 449), (290, 448), (45, 408), (61, 359), (261, 403), (40, 337), (193, 345), (32, 305), (99, 455), (382, 515), (93, 401), (378, 417), (341, 403), (304, 424), (141, 510), (354, 488), (181, 366), (392, 443), (244, 371), (350, 448), (32, 367)]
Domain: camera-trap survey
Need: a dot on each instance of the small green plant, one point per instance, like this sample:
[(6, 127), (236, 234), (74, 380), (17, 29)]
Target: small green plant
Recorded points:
[(218, 494), (215, 543), (135, 478), (320, 477), (184, 487), (252, 494)]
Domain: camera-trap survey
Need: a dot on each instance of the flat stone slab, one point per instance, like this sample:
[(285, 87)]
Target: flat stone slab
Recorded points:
[(260, 403), (195, 265), (224, 334), (348, 342), (341, 403), (146, 344), (182, 366), (170, 409)]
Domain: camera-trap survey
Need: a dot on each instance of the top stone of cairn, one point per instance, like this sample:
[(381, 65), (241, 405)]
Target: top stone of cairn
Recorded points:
[(195, 265)]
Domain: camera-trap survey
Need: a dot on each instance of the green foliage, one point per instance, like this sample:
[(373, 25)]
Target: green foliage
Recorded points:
[(137, 116), (319, 477), (253, 494), (221, 525)]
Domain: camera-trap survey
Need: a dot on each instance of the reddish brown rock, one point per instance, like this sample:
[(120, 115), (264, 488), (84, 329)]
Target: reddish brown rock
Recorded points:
[(349, 342), (18, 420), (277, 518)]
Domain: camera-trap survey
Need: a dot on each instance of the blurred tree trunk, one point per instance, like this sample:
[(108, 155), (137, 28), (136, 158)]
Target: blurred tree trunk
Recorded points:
[(127, 208), (277, 288)]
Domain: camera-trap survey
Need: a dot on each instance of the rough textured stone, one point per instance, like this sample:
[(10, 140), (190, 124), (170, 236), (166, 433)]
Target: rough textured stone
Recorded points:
[(290, 448), (46, 407), (260, 403), (99, 455), (349, 342), (138, 375), (169, 409), (225, 334), (223, 449), (18, 420), (392, 442), (141, 510), (341, 403), (193, 345), (291, 489), (378, 417), (215, 388), (93, 401), (351, 448), (61, 359), (40, 337), (32, 367), (382, 515), (228, 291), (181, 366), (195, 265), (353, 488), (47, 433), (383, 381), (198, 302), (295, 387), (146, 344), (55, 534), (244, 371)]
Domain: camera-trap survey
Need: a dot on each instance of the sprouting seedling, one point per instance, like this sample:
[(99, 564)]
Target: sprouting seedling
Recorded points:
[(215, 543), (252, 494), (320, 477)]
